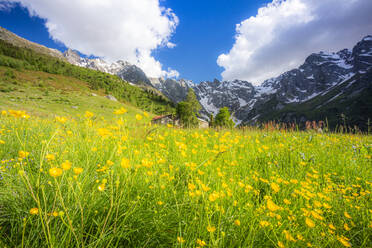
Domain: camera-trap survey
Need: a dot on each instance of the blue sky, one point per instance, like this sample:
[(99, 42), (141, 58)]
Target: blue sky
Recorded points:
[(272, 36), (206, 29)]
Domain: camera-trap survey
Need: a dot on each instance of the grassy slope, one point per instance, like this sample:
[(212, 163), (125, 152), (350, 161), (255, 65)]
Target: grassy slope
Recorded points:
[(24, 59), (45, 94)]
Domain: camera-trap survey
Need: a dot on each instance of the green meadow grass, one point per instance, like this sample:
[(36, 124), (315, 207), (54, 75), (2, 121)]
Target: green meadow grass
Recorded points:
[(89, 180)]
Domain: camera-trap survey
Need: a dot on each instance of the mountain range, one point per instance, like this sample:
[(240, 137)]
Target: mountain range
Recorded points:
[(336, 87)]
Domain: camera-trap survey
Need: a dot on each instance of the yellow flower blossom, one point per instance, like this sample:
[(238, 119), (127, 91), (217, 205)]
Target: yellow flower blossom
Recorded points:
[(347, 215), (101, 187), (50, 157), (66, 165), (201, 243), (120, 111), (264, 223), (55, 172), (272, 206), (346, 227), (211, 229), (125, 163), (78, 170), (34, 211), (309, 222), (275, 187), (331, 226), (23, 154), (88, 114), (180, 240), (344, 241)]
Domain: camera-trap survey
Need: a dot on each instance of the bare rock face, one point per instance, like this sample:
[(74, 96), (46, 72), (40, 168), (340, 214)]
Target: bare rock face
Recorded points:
[(175, 90), (112, 98)]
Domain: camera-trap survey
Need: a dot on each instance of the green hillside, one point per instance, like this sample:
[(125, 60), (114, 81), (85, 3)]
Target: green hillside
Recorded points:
[(43, 94), (24, 63)]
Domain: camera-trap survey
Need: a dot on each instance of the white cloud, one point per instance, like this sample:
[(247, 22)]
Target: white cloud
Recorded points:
[(113, 29), (5, 6), (284, 33)]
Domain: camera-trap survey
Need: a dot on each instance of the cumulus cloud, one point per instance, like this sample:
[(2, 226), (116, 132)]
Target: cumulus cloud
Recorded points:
[(113, 29), (285, 32)]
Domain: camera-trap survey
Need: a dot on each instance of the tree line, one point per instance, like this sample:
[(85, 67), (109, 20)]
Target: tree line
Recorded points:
[(188, 113)]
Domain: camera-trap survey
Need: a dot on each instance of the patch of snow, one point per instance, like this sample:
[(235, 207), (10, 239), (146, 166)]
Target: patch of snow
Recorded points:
[(295, 99), (209, 107), (311, 77), (236, 121), (261, 90), (311, 96), (255, 118), (351, 83), (333, 98), (242, 102)]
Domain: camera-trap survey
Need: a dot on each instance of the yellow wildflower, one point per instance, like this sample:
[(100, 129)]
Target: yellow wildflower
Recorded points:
[(331, 226), (55, 172), (34, 211), (347, 215), (264, 223), (211, 229), (280, 244), (180, 240), (344, 241), (88, 114), (125, 163), (275, 187), (272, 206), (201, 243), (309, 222), (23, 154), (101, 187), (346, 227), (120, 111), (78, 170), (50, 157), (66, 165)]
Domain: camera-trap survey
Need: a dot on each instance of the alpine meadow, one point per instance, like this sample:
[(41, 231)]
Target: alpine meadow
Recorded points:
[(102, 144)]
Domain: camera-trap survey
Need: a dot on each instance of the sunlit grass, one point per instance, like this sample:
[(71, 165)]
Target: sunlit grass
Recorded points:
[(85, 181)]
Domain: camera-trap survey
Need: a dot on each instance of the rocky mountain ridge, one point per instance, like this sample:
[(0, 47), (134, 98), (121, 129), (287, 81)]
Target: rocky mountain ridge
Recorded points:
[(320, 73)]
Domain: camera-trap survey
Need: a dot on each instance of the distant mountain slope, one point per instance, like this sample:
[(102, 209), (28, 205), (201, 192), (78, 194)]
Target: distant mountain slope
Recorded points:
[(320, 76), (20, 42), (123, 69)]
